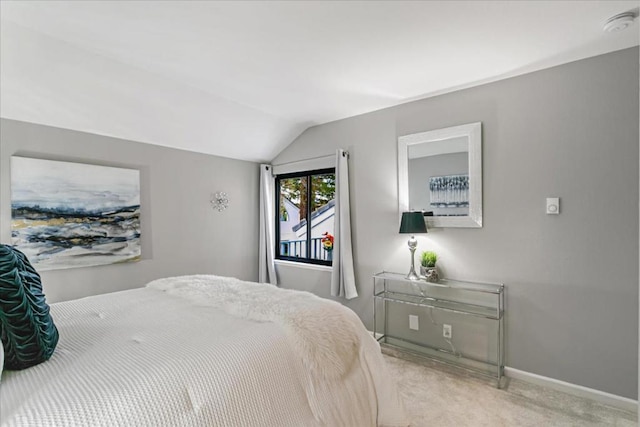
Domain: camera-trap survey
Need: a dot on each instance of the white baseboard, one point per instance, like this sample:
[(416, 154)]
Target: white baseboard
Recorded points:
[(574, 389)]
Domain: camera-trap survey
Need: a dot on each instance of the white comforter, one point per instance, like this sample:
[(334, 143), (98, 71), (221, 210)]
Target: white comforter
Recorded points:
[(205, 351)]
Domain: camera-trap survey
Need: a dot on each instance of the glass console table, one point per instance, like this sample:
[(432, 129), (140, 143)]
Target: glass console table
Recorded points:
[(472, 311)]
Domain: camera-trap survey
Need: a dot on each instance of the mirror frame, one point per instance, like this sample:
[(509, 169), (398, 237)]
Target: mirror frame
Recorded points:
[(474, 132)]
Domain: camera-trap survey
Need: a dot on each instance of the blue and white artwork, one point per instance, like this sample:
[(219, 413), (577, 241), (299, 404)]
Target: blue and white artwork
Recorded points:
[(66, 215)]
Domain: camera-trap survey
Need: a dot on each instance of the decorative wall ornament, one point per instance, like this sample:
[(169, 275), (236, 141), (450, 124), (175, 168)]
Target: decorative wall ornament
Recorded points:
[(219, 201), (66, 215)]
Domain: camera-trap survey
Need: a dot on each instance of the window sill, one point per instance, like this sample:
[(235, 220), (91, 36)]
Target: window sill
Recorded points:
[(303, 265)]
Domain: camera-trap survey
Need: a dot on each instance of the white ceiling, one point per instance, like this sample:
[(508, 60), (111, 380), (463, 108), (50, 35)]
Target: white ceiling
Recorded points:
[(243, 79)]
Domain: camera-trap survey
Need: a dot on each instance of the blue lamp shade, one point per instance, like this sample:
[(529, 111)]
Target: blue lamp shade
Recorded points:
[(412, 223)]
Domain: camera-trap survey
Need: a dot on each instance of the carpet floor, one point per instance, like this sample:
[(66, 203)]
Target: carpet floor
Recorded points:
[(437, 395)]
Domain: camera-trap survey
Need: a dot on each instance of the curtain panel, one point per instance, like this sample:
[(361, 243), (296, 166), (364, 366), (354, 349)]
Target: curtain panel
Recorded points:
[(343, 282), (267, 267)]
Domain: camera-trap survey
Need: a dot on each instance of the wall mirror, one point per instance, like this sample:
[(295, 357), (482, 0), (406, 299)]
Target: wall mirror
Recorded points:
[(440, 173)]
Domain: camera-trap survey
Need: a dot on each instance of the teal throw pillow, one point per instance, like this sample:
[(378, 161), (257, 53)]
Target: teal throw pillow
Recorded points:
[(27, 331)]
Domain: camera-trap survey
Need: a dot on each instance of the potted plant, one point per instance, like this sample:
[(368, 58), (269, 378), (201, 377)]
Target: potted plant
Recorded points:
[(428, 269)]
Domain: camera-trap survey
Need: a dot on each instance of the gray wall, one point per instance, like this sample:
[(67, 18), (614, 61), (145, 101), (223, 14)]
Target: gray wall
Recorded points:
[(571, 279), (181, 233)]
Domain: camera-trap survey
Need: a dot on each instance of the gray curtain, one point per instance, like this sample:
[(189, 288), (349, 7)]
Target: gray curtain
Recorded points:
[(343, 282), (267, 267)]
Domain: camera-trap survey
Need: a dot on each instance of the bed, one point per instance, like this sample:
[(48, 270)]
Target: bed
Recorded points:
[(205, 351)]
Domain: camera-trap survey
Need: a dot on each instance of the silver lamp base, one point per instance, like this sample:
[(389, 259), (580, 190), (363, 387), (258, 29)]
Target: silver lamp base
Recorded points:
[(413, 243)]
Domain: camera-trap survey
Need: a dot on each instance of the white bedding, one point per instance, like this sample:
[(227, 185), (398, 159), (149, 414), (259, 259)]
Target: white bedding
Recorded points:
[(178, 353)]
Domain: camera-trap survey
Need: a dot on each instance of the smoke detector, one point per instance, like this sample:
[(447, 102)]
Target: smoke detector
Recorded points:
[(619, 22)]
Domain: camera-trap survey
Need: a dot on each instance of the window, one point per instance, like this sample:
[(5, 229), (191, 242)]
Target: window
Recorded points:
[(303, 199)]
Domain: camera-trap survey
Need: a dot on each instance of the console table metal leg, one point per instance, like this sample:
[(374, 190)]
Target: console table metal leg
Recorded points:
[(500, 338)]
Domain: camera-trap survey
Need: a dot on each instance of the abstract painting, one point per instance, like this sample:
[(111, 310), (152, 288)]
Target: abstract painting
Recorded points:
[(66, 215), (450, 191)]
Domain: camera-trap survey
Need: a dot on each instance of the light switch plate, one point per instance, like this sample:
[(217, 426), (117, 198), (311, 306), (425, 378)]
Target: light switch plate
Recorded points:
[(413, 322), (553, 205)]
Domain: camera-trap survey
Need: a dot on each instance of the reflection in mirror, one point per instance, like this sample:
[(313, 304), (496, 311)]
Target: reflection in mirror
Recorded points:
[(440, 173), (439, 177)]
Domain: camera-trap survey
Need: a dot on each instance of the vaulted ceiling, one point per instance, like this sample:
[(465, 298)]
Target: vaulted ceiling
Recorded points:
[(244, 79)]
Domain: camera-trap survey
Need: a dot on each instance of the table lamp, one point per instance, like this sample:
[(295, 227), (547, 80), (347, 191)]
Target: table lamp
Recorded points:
[(412, 223)]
